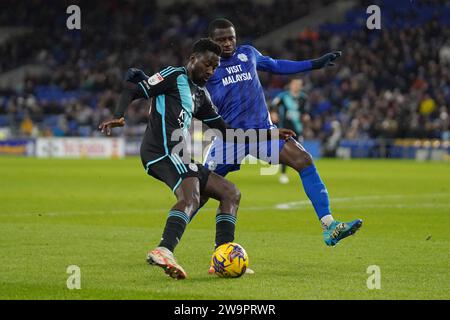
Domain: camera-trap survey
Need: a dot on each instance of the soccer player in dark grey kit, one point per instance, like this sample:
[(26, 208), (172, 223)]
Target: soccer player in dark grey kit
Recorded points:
[(178, 96)]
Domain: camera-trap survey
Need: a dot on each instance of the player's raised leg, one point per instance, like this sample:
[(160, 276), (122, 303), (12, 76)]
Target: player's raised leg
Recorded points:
[(295, 156), (188, 199)]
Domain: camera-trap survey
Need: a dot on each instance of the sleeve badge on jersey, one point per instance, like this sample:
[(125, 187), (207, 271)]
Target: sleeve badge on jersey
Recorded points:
[(155, 79)]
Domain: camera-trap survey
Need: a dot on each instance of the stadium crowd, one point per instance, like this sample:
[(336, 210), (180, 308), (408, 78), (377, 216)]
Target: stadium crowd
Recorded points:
[(394, 85), (386, 85)]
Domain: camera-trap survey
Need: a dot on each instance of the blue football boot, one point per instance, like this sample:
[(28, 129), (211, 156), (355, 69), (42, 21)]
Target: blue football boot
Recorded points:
[(337, 231)]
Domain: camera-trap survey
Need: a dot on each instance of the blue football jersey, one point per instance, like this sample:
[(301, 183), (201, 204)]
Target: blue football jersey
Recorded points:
[(236, 91)]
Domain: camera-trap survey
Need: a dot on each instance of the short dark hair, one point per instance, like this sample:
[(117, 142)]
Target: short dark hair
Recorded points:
[(206, 44), (220, 23)]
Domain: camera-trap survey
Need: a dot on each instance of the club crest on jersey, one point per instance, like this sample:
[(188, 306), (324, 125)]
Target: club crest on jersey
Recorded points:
[(193, 167), (212, 165), (242, 57), (155, 79)]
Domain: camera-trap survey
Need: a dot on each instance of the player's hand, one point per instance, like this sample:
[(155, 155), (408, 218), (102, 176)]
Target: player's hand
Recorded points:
[(135, 75), (285, 133), (326, 60), (106, 126)]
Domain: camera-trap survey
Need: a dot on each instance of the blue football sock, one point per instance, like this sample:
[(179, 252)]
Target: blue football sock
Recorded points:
[(315, 190)]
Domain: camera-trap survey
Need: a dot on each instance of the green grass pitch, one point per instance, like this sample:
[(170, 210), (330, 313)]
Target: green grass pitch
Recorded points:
[(104, 215)]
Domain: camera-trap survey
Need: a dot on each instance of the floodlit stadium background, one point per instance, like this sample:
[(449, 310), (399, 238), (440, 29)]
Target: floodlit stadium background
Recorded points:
[(388, 97), (378, 123)]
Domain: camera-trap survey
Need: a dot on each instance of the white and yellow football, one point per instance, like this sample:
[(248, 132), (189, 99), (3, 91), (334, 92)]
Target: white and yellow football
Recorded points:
[(229, 260)]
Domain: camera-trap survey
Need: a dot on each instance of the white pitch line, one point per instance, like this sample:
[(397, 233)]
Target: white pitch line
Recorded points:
[(280, 206), (305, 203)]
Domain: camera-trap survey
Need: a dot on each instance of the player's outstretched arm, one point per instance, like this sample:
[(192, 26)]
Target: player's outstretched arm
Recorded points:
[(106, 126), (326, 60), (130, 92), (208, 115), (268, 64), (220, 125)]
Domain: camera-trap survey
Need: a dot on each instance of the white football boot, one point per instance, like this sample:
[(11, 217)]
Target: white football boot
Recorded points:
[(163, 257)]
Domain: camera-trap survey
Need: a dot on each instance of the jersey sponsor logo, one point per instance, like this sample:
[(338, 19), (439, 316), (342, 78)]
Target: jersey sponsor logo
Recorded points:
[(234, 69), (243, 57), (155, 79), (181, 119), (236, 74), (193, 167), (246, 76)]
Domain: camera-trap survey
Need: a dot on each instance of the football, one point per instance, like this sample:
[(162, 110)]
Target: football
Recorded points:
[(229, 260)]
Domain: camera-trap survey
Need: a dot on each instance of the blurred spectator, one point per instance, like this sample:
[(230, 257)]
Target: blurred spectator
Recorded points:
[(427, 106), (26, 127)]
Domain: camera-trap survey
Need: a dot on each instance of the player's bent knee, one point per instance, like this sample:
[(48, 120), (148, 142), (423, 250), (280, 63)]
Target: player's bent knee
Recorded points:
[(189, 205), (233, 195), (309, 161), (194, 204), (304, 161), (236, 195), (203, 200)]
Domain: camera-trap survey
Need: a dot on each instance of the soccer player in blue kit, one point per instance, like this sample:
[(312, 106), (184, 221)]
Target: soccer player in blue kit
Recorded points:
[(237, 93)]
